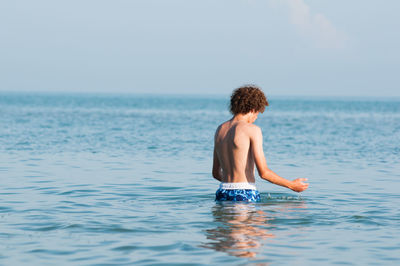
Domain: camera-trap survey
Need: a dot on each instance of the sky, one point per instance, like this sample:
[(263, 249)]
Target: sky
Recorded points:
[(287, 47)]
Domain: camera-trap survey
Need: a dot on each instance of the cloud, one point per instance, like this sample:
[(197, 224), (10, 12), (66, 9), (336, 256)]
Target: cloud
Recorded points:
[(315, 26)]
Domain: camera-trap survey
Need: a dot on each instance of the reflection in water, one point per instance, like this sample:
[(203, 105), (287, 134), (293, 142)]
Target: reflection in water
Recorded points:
[(241, 228)]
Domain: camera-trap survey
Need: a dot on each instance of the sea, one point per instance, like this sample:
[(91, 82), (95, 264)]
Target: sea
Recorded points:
[(124, 179)]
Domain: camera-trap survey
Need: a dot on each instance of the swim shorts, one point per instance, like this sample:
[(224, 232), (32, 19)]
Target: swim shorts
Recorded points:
[(237, 192)]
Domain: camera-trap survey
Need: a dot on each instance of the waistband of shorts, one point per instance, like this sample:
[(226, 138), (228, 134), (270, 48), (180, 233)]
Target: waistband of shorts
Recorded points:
[(241, 185)]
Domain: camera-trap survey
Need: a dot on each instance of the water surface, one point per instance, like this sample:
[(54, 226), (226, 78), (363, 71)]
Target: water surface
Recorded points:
[(125, 179)]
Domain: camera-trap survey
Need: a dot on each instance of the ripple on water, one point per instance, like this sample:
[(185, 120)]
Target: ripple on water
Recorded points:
[(54, 251), (40, 227), (366, 220)]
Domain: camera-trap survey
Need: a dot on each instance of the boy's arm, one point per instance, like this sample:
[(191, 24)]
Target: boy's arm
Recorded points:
[(216, 170), (265, 173)]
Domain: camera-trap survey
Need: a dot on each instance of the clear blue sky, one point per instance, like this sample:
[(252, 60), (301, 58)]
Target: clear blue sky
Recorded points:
[(288, 47)]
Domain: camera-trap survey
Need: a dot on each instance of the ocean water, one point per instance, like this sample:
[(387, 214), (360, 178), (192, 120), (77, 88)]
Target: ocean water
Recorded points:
[(126, 180)]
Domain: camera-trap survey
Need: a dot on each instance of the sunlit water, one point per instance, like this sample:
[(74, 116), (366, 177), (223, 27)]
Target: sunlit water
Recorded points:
[(124, 179)]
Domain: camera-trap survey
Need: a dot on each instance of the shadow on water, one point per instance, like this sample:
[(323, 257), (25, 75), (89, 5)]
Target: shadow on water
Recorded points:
[(243, 229)]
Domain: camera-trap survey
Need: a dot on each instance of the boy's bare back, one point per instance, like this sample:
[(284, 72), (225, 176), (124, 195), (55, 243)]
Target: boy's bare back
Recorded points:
[(233, 150)]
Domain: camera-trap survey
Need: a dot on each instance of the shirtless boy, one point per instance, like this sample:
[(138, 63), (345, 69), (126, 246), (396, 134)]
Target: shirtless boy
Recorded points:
[(238, 147)]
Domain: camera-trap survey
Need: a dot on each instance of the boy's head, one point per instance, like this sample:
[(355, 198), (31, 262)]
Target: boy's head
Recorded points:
[(246, 99)]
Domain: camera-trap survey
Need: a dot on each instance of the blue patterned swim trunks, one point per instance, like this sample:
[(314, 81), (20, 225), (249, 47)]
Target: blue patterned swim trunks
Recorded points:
[(237, 192)]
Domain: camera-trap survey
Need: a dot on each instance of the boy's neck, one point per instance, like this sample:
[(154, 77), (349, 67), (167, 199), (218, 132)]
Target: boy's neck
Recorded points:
[(243, 117)]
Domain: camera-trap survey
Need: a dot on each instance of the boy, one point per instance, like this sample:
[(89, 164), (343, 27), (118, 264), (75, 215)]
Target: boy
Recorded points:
[(238, 147)]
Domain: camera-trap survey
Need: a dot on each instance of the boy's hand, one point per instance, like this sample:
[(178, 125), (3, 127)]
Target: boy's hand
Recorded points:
[(298, 185)]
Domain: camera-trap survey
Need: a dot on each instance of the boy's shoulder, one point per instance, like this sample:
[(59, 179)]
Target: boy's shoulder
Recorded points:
[(250, 129), (249, 126), (254, 130)]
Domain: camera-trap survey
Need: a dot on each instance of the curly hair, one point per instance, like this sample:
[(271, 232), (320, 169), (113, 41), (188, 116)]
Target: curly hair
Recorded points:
[(246, 99)]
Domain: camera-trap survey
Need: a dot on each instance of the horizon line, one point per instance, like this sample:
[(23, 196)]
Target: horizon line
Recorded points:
[(205, 94)]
